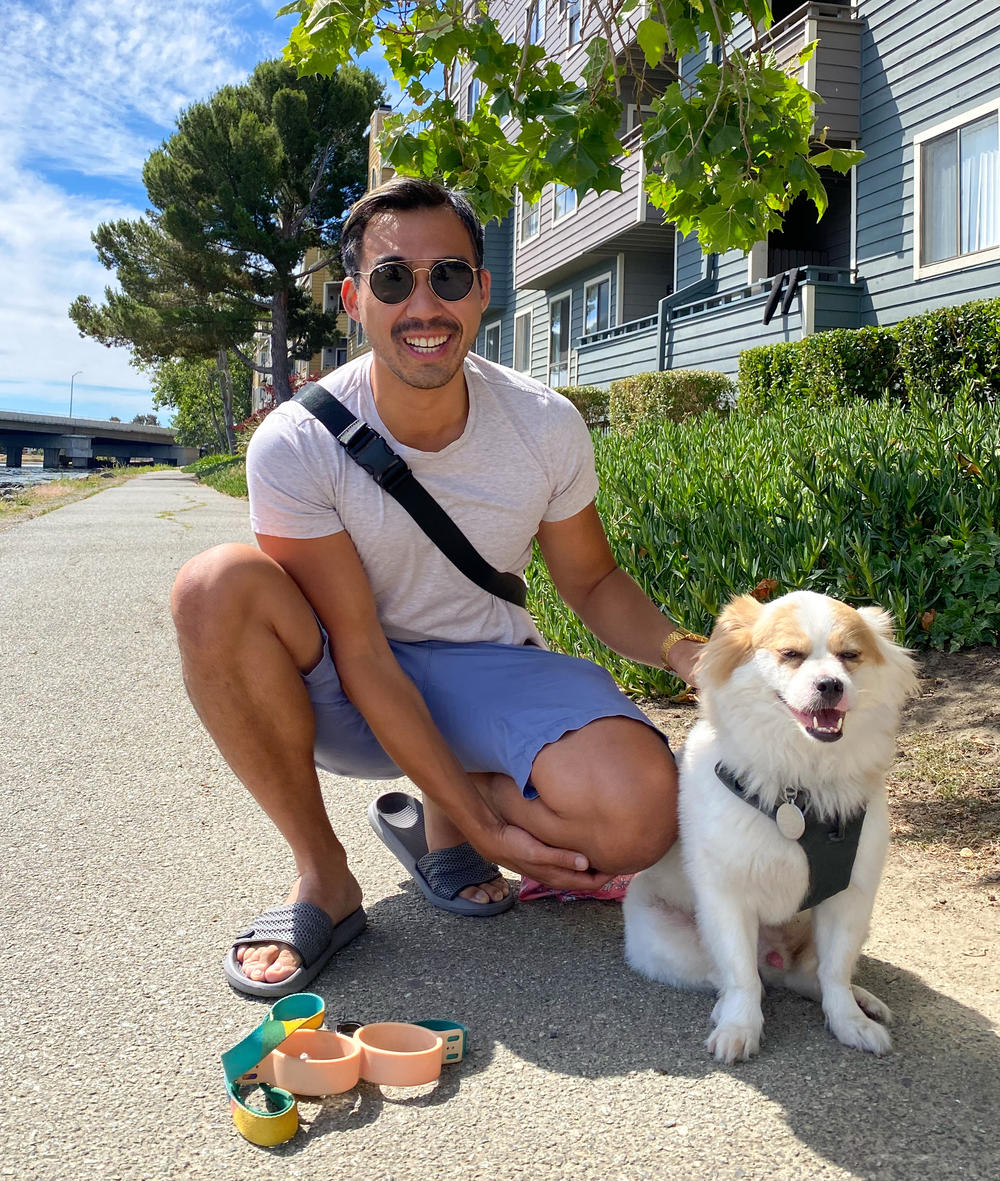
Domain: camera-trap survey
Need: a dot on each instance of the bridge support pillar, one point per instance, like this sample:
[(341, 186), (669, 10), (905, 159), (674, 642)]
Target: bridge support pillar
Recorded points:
[(51, 459), (14, 455)]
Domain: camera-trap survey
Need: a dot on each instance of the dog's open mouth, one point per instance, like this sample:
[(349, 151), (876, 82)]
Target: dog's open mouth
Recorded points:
[(825, 724)]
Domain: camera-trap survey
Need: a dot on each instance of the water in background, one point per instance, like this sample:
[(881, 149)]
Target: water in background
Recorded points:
[(38, 475)]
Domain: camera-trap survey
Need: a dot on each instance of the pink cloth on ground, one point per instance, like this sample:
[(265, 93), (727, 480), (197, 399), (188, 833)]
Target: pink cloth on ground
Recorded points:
[(613, 891)]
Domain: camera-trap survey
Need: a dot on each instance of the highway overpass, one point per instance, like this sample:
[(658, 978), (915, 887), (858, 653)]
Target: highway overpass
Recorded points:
[(81, 442)]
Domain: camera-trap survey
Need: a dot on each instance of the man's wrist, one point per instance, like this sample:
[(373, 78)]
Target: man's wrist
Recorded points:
[(677, 636)]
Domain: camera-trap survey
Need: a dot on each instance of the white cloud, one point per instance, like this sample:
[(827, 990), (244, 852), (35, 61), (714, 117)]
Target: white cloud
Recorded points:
[(89, 88)]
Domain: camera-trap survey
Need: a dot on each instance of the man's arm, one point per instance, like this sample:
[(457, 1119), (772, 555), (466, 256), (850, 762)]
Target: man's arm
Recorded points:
[(329, 573), (607, 599)]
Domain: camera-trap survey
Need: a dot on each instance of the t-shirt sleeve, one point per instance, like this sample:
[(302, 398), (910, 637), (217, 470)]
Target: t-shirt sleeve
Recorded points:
[(570, 451), (289, 479)]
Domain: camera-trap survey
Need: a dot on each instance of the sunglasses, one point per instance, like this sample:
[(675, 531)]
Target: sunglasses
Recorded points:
[(449, 278)]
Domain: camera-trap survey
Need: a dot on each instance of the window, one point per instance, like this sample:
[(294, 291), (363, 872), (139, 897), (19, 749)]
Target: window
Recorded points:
[(528, 219), (522, 342), (559, 316), (535, 21), (597, 305), (331, 298), (564, 202), (491, 342), (571, 10), (471, 97), (958, 193), (333, 357)]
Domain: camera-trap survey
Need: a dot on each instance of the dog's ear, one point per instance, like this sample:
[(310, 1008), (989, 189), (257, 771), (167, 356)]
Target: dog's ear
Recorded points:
[(731, 643), (903, 680)]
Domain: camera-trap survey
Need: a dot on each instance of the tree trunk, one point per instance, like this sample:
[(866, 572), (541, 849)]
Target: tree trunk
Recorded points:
[(226, 388), (280, 369)]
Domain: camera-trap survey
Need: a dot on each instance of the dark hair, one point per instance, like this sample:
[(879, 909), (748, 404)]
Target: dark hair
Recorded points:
[(404, 192)]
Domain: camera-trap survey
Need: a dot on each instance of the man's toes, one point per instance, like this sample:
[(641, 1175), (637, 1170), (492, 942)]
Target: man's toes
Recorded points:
[(493, 891), (269, 962)]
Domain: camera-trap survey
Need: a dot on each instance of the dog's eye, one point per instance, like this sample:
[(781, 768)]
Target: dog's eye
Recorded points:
[(791, 654), (845, 656)]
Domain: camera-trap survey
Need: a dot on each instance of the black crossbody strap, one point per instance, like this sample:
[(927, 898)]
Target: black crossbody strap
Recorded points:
[(369, 450)]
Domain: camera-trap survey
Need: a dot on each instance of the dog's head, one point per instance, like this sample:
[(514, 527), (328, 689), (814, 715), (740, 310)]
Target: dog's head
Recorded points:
[(821, 659)]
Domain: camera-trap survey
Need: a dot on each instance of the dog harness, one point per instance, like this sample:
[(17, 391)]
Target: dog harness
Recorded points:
[(830, 846)]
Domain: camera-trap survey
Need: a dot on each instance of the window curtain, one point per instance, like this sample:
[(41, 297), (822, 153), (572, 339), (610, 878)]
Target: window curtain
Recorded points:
[(939, 198), (980, 156)]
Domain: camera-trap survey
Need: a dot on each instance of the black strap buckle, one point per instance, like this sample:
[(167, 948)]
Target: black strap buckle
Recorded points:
[(369, 450)]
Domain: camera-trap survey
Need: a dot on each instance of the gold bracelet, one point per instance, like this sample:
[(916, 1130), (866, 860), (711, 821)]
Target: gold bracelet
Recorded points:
[(679, 633)]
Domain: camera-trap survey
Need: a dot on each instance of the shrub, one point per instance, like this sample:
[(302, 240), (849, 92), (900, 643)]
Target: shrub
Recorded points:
[(872, 502), (951, 349), (245, 430), (831, 367), (590, 400), (938, 354), (669, 395)]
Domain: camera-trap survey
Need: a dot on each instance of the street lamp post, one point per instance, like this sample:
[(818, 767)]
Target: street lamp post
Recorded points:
[(71, 380)]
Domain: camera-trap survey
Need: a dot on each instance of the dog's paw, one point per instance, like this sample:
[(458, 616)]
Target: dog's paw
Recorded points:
[(870, 1003), (734, 1043), (861, 1033)]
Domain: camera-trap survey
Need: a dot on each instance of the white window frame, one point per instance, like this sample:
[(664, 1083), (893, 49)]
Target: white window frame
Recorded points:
[(556, 215), (565, 7), (493, 326), (960, 262), (537, 207), (595, 282), (527, 318), (632, 116), (554, 299), (332, 297)]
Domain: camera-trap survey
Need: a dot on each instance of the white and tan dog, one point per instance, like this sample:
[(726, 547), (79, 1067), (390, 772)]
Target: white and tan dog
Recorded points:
[(800, 701)]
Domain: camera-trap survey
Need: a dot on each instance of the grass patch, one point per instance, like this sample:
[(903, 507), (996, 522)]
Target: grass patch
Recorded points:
[(224, 473)]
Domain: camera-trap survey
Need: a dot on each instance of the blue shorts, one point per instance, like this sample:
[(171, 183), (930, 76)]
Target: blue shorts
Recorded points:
[(496, 706)]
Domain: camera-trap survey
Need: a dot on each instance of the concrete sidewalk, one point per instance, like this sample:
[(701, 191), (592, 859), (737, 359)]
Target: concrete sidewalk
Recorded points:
[(131, 855)]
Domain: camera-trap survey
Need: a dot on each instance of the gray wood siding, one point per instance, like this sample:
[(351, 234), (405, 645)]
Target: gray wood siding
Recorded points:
[(497, 258), (648, 279), (618, 356), (690, 261), (917, 71), (715, 339)]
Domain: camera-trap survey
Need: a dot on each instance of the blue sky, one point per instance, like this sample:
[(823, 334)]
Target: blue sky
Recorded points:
[(88, 88)]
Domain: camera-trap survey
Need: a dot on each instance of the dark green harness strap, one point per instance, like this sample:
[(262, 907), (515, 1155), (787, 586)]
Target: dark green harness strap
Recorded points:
[(830, 846)]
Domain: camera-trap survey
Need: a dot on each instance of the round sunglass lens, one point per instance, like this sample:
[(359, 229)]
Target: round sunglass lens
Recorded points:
[(391, 282), (451, 279)]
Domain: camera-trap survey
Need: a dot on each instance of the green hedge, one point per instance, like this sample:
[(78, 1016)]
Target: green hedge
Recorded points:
[(936, 354), (669, 395), (874, 502), (590, 400)]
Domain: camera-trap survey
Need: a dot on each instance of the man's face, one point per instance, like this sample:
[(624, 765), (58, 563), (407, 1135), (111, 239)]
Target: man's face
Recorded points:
[(423, 340)]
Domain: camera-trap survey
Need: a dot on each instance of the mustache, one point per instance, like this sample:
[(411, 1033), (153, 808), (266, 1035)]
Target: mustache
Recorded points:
[(411, 327)]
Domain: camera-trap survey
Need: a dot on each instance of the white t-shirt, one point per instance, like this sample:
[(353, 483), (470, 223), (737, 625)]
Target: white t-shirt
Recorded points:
[(524, 457)]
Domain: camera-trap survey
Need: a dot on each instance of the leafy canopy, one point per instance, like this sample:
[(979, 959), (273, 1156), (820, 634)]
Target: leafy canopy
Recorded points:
[(728, 142), (251, 181)]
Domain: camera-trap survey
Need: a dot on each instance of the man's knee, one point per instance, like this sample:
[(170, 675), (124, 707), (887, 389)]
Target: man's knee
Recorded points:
[(638, 823), (213, 585)]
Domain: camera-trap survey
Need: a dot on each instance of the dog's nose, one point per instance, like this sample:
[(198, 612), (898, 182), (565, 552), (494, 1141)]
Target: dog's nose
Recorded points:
[(830, 688)]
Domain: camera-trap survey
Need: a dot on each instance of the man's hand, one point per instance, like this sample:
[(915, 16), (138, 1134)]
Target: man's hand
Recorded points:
[(517, 850)]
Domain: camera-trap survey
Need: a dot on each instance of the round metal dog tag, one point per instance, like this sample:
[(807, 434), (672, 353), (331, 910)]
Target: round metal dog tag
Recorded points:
[(791, 823)]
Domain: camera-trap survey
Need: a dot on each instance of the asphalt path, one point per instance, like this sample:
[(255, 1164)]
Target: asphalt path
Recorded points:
[(131, 855)]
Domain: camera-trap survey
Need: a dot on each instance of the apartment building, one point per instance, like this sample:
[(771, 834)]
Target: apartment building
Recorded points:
[(587, 291)]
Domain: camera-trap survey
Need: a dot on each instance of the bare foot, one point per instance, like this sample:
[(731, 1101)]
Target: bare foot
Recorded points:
[(273, 962), (443, 834)]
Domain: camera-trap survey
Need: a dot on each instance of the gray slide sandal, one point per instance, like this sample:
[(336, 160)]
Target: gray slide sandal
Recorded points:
[(398, 821)]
